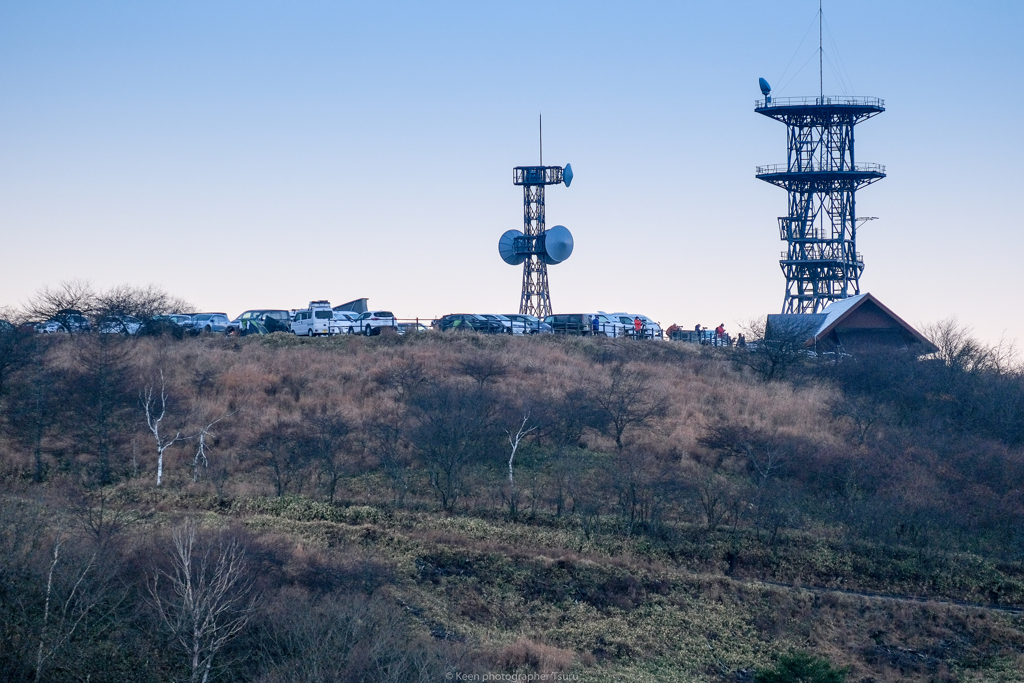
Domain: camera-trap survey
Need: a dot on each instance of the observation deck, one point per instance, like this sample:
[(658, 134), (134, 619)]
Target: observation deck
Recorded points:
[(842, 103), (537, 175), (812, 174)]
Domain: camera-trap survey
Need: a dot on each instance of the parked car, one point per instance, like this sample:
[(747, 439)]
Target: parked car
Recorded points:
[(608, 325), (509, 326), (469, 322), (347, 319), (173, 325), (262, 321), (531, 323), (277, 320), (371, 322), (574, 323), (119, 324), (177, 318), (65, 321), (652, 330), (403, 328), (208, 323), (315, 320)]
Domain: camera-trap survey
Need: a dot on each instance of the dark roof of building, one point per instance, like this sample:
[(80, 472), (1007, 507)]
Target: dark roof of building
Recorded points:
[(854, 321)]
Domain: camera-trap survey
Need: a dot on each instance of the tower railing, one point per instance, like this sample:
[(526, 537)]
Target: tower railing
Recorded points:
[(826, 101), (773, 169)]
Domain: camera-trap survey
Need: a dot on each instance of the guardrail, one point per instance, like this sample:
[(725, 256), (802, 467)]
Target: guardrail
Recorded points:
[(775, 169), (826, 101)]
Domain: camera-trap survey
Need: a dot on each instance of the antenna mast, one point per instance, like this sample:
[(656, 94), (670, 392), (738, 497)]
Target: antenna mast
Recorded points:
[(821, 68), (535, 246)]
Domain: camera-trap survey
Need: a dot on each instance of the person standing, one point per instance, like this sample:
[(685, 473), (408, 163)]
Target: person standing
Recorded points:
[(720, 334), (595, 325), (638, 326)]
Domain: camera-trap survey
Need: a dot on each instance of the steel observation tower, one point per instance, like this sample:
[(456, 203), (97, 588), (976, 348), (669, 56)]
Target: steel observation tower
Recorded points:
[(821, 176)]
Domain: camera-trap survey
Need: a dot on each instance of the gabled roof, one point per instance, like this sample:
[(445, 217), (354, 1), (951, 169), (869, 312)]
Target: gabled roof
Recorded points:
[(841, 321), (839, 311), (793, 326)]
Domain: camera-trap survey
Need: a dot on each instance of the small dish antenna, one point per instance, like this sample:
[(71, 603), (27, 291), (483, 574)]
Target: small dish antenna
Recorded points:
[(766, 90)]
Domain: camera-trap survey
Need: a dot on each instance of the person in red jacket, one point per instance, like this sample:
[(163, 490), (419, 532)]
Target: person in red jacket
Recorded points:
[(720, 334), (638, 326)]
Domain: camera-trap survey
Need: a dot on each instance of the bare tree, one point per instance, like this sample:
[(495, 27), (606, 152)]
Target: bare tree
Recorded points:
[(483, 366), (205, 599), (629, 398), (153, 420), (71, 297), (144, 303), (80, 586), (455, 427), (514, 441), (18, 349), (200, 457), (277, 448), (101, 399), (773, 353), (326, 435), (383, 436), (959, 350)]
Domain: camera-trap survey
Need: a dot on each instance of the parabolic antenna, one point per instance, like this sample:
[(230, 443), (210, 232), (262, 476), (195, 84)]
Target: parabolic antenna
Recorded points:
[(567, 175), (557, 245), (506, 248), (765, 88)]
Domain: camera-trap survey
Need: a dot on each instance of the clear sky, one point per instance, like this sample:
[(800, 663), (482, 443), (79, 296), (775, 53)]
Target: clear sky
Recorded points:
[(257, 154)]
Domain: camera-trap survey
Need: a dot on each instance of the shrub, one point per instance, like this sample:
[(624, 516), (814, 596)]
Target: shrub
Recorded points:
[(801, 667)]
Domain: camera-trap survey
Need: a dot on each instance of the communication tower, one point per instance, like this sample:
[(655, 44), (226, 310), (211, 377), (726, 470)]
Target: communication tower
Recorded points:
[(535, 246), (822, 177)]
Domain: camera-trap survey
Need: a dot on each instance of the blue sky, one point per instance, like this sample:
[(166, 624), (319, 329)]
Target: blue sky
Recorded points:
[(247, 154)]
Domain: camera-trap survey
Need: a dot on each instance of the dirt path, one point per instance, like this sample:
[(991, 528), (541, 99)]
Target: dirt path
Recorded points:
[(884, 596)]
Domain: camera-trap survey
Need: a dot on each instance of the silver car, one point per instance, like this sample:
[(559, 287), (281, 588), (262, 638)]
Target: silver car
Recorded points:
[(208, 322)]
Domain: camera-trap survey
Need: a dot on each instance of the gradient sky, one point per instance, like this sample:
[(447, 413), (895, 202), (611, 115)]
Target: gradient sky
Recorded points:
[(257, 154)]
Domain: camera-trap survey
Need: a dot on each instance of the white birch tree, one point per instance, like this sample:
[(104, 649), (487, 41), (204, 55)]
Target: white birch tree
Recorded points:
[(514, 440), (208, 597), (156, 409)]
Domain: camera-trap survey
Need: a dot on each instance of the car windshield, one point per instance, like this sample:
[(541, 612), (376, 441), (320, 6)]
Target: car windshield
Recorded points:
[(323, 315), (384, 314)]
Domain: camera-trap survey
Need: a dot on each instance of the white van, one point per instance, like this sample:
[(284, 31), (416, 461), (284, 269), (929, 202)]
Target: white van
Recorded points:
[(316, 320)]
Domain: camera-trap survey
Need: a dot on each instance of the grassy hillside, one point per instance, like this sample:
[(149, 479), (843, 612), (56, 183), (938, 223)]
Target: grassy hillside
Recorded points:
[(668, 515)]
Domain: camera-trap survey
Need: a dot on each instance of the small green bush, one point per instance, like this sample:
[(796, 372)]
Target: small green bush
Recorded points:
[(801, 667)]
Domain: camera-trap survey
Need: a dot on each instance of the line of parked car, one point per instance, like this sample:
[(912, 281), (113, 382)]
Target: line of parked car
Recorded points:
[(606, 324), (320, 319)]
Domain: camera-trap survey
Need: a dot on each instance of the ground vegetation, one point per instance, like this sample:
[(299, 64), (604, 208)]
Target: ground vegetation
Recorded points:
[(401, 508)]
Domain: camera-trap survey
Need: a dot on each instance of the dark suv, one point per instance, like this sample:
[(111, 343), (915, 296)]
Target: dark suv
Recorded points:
[(570, 323), (469, 322), (260, 321)]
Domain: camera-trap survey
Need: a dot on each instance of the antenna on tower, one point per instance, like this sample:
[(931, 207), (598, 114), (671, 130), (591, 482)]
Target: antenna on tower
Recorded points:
[(821, 68), (535, 246)]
